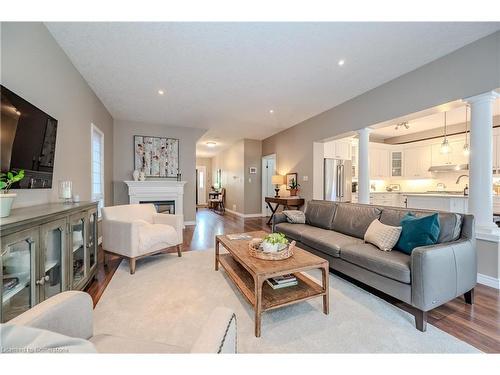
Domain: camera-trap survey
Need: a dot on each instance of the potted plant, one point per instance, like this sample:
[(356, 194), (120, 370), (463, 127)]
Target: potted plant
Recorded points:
[(6, 198), (274, 242), (294, 187)]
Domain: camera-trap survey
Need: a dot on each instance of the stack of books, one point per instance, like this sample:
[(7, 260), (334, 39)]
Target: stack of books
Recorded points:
[(282, 281)]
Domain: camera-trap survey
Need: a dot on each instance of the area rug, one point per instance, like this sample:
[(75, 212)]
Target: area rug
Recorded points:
[(168, 300)]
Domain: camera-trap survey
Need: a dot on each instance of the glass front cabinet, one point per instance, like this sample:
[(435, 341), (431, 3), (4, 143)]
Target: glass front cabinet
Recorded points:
[(55, 254)]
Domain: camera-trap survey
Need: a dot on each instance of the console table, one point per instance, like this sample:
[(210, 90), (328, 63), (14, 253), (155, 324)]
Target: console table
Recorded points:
[(286, 202), (45, 250)]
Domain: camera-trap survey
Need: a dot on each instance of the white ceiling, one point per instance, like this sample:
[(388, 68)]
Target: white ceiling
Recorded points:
[(433, 121), (225, 77)]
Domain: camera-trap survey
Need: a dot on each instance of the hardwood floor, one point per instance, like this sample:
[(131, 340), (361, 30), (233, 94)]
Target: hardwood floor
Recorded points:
[(478, 324)]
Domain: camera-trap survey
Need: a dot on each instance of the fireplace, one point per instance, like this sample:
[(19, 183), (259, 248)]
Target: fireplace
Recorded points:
[(163, 207)]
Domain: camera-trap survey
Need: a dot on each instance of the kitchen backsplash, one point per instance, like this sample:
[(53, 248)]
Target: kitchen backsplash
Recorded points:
[(425, 184)]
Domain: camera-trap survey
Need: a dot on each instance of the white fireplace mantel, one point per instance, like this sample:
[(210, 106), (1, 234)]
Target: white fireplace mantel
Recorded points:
[(157, 190)]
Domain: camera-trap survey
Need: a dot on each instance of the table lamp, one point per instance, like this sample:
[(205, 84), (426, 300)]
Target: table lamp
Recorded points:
[(278, 180)]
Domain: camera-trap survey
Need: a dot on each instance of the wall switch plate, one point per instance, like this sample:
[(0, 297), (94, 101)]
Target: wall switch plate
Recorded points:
[(305, 178)]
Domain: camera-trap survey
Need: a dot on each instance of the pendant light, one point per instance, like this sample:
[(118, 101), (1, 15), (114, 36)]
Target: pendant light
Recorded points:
[(466, 145), (445, 145)]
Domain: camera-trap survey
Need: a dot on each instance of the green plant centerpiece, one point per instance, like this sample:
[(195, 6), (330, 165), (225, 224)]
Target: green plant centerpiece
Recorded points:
[(293, 186), (6, 198), (274, 242)]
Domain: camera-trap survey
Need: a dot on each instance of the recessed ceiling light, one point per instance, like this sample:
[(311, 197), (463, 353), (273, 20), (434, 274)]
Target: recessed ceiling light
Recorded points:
[(341, 62), (271, 111), (161, 92), (211, 144)]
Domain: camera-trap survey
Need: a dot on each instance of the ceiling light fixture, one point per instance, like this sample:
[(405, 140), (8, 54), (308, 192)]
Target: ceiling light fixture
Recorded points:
[(466, 145), (161, 92), (271, 111), (445, 145), (211, 144), (341, 62), (402, 124)]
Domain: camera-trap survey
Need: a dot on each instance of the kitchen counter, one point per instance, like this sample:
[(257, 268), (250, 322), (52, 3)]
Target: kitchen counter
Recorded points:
[(439, 195)]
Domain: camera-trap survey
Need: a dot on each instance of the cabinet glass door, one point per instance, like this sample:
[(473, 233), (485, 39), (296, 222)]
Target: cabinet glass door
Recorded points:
[(18, 273), (396, 164), (77, 228), (53, 258), (92, 238)]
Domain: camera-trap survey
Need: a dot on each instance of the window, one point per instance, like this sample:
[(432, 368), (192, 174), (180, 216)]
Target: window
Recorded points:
[(97, 140)]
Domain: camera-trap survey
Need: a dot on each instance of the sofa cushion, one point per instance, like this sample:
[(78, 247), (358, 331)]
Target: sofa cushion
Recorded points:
[(418, 231), (353, 219), (449, 222), (320, 213), (327, 241), (293, 231), (391, 264)]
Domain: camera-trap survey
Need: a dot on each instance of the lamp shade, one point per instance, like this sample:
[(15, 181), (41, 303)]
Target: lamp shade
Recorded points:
[(278, 179)]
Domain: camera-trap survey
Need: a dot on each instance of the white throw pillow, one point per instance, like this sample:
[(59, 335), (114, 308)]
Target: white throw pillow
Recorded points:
[(295, 216), (383, 236)]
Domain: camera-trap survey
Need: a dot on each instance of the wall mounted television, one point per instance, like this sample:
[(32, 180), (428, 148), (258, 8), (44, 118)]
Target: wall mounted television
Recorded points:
[(27, 141)]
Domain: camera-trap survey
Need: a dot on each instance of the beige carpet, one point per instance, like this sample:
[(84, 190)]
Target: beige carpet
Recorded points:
[(169, 298)]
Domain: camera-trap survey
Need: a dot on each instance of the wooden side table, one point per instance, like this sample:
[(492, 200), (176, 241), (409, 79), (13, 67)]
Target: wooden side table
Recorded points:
[(286, 202)]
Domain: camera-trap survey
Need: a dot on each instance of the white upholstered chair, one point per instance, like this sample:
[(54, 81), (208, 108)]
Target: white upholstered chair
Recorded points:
[(64, 324), (133, 231)]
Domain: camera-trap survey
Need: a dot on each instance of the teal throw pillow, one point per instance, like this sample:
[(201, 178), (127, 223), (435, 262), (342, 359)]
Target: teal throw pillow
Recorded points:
[(418, 231)]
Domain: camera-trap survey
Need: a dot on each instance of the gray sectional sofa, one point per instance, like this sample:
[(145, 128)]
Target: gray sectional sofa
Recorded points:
[(429, 277)]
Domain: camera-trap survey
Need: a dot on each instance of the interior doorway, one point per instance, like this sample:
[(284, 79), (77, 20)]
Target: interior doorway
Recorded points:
[(201, 185), (268, 170)]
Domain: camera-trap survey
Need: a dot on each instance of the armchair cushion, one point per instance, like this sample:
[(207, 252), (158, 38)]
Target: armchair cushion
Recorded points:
[(24, 339), (153, 236), (68, 313)]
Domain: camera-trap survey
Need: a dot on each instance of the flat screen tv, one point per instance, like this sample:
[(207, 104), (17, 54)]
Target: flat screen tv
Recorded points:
[(27, 141)]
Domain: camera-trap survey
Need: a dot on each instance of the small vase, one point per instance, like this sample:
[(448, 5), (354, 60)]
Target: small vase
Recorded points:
[(6, 201), (142, 176), (135, 175), (293, 192)]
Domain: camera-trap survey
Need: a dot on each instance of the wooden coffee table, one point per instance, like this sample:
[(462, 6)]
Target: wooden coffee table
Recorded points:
[(249, 274)]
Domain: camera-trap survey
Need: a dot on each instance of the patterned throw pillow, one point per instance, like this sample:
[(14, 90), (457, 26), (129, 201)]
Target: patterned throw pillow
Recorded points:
[(383, 236), (295, 216)]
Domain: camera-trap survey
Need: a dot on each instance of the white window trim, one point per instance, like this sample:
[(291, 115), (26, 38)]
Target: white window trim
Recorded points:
[(97, 130)]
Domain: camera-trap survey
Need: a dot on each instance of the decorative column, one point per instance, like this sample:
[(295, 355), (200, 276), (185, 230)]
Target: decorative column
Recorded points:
[(481, 160), (364, 166)]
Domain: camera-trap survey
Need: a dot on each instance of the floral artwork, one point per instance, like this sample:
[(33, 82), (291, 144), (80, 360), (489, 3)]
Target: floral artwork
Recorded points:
[(156, 156)]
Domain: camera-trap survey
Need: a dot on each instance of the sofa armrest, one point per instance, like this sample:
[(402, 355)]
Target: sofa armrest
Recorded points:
[(219, 334), (121, 237), (279, 218), (442, 272), (68, 313), (176, 221)]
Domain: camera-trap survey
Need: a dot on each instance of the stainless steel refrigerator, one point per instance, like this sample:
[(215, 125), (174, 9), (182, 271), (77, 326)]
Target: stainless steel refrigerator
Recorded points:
[(337, 180)]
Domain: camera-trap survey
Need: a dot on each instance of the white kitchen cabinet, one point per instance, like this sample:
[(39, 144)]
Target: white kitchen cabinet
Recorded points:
[(417, 161), (396, 163), (338, 150), (387, 199), (448, 203), (379, 162), (455, 156)]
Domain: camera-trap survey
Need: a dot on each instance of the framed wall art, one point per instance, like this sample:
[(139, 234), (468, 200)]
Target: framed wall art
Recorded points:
[(156, 156), (289, 178)]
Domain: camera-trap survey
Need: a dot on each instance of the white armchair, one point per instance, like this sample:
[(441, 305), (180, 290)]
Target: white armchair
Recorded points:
[(64, 323), (133, 231)]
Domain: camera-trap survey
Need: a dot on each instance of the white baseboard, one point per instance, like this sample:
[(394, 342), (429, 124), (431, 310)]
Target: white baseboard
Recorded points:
[(191, 222), (245, 216), (488, 281)]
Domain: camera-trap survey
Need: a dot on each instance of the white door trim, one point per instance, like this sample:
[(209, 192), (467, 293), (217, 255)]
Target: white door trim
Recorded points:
[(202, 198), (264, 179)]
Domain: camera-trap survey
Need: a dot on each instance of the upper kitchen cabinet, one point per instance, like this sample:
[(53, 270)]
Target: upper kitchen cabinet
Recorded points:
[(417, 161), (338, 149), (379, 162), (396, 163)]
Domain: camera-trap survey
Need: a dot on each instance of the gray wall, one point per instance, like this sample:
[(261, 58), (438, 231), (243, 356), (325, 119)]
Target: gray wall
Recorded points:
[(243, 190), (35, 67), (253, 182), (124, 158), (471, 70)]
